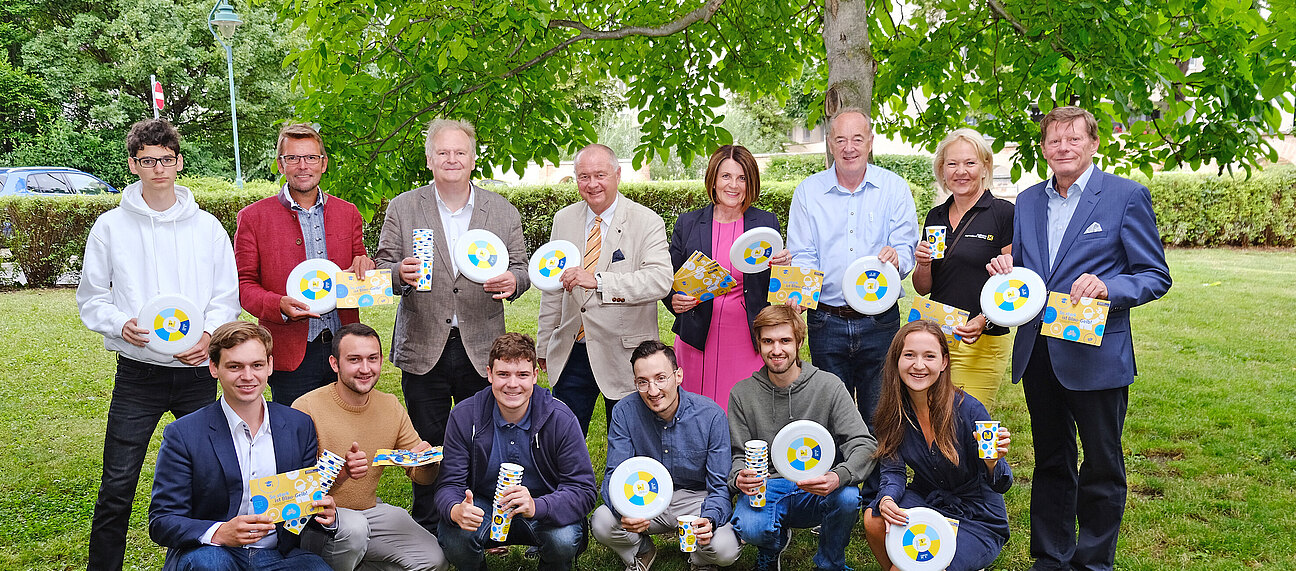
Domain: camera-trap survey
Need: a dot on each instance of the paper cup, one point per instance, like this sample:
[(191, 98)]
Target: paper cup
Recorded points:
[(936, 237), (500, 523), (987, 434), (687, 534), (757, 453)]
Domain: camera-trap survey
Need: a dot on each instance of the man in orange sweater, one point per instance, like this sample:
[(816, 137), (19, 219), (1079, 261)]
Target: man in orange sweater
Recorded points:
[(353, 419)]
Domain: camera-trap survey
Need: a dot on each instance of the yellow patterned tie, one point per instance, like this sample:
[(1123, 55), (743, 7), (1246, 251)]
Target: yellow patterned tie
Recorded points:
[(593, 244)]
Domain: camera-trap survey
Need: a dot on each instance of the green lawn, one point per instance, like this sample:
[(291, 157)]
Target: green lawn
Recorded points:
[(1210, 436)]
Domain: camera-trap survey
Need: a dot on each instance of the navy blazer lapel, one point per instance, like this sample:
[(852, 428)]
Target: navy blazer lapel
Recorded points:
[(223, 447), (704, 232), (287, 450), (1079, 219), (1041, 234)]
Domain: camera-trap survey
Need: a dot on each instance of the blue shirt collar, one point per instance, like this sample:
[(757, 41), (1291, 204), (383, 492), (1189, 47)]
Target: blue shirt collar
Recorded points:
[(1076, 189), (524, 424), (868, 181)]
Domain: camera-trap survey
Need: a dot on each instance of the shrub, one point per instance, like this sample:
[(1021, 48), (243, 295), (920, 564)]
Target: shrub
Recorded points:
[(48, 233), (1195, 210)]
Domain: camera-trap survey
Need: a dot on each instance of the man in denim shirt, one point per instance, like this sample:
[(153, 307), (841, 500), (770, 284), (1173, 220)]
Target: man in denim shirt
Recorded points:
[(689, 435)]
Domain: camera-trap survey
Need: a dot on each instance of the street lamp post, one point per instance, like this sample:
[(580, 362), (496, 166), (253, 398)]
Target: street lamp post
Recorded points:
[(224, 18)]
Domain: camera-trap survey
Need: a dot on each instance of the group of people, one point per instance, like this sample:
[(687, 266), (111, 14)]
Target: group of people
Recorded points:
[(894, 398)]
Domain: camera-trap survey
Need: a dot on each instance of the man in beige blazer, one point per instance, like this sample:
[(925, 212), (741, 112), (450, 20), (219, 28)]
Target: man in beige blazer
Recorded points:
[(443, 336), (606, 308)]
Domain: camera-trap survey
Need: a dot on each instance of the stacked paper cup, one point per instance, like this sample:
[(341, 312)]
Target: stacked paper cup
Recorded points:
[(509, 475), (423, 250), (758, 460)]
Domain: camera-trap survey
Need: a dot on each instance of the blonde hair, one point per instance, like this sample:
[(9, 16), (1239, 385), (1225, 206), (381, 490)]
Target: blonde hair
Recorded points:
[(438, 125), (984, 154)]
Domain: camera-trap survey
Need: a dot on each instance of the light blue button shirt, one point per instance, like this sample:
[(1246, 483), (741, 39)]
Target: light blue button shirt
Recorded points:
[(830, 226), (1061, 210)]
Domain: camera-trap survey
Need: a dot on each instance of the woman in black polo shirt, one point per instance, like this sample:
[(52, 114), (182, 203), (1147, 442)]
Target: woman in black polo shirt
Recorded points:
[(979, 227)]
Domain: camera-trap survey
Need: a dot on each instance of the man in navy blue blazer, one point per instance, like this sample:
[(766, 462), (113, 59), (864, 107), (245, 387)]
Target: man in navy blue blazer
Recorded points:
[(1089, 234), (201, 509)]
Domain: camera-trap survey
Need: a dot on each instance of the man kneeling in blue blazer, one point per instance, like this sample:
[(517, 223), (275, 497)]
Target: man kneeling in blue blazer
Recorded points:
[(201, 509)]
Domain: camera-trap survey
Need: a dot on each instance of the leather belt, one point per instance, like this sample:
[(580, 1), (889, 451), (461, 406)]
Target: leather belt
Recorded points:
[(844, 311)]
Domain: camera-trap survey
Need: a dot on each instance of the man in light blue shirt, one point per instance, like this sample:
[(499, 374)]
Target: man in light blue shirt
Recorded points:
[(839, 215), (689, 434)]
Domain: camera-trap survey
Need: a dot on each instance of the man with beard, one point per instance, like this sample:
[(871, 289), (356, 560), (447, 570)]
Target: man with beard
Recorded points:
[(275, 234), (353, 419), (782, 391)]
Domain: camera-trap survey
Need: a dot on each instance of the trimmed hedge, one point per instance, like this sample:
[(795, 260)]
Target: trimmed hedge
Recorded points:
[(1192, 210), (916, 169)]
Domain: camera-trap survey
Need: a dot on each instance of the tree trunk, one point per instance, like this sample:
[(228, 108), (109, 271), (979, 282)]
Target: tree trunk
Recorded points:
[(851, 67)]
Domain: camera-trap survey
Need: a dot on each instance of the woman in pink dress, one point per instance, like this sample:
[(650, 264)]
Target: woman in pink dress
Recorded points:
[(713, 338)]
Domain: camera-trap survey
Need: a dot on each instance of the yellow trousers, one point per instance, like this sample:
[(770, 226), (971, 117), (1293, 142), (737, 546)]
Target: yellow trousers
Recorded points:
[(978, 368)]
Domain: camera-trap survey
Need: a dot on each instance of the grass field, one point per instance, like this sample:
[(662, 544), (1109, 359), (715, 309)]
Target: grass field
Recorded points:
[(1210, 437)]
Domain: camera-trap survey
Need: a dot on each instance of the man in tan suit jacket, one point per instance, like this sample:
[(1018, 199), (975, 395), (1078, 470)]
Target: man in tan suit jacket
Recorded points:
[(443, 336), (588, 331)]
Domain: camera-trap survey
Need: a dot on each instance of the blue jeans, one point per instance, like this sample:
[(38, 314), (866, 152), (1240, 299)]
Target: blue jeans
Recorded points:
[(142, 393), (558, 546), (854, 350), (313, 373), (218, 558), (787, 506)]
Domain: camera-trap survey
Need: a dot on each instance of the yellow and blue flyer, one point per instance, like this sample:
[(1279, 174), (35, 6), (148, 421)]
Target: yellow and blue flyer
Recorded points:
[(946, 316), (801, 285), (374, 289), (1082, 323), (703, 278), (287, 496)]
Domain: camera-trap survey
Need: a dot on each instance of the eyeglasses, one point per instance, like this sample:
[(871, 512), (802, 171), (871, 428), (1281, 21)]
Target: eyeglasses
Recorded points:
[(150, 162), (294, 159), (660, 383)]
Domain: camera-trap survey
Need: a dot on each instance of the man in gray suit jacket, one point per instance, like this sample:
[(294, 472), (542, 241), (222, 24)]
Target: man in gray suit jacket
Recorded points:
[(443, 336), (608, 306)]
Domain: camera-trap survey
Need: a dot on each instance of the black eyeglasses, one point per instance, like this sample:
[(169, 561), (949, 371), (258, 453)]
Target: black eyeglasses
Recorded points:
[(150, 162), (294, 159)]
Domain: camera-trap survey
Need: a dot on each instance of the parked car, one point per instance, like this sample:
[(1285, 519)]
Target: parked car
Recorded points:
[(50, 181)]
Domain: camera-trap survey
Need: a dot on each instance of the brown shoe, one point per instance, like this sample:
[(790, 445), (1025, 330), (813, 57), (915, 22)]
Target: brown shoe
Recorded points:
[(644, 560)]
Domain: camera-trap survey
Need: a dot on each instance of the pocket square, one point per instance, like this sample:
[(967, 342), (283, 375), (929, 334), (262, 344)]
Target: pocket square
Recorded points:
[(617, 256), (1095, 227)]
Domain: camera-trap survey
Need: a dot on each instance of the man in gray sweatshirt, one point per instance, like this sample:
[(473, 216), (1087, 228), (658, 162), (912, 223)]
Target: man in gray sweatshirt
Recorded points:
[(782, 391)]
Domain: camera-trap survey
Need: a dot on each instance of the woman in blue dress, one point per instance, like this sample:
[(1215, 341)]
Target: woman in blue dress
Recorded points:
[(926, 423)]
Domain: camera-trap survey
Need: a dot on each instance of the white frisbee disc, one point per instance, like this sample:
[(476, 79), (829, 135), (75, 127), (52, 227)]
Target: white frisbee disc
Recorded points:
[(1013, 298), (871, 286), (480, 255), (752, 250), (926, 543), (803, 449), (174, 322), (640, 487), (549, 261), (314, 283)]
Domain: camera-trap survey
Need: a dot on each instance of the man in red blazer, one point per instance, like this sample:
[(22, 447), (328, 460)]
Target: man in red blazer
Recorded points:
[(274, 235)]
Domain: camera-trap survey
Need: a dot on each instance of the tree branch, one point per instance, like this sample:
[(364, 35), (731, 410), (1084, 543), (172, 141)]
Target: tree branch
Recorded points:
[(703, 12), (1021, 29), (586, 33)]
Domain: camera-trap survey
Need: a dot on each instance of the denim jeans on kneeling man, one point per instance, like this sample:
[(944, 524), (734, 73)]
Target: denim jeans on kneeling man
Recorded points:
[(788, 507)]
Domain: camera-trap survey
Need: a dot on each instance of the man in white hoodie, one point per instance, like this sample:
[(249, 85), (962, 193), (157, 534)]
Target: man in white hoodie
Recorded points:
[(157, 242)]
